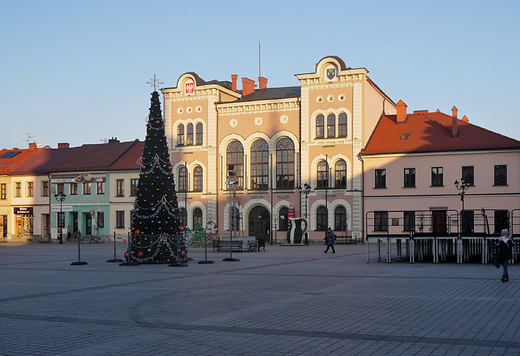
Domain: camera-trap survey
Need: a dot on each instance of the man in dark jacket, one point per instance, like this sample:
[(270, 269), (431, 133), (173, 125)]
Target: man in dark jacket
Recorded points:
[(330, 239)]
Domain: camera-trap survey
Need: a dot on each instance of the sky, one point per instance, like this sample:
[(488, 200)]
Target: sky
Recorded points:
[(77, 71)]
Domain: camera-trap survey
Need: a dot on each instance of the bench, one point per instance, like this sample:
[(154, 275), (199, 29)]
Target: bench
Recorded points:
[(253, 245), (227, 246), (90, 239)]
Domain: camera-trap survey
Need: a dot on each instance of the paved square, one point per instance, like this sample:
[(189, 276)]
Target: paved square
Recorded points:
[(285, 301)]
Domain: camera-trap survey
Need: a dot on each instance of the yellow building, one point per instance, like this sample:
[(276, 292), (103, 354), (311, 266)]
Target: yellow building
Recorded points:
[(275, 140)]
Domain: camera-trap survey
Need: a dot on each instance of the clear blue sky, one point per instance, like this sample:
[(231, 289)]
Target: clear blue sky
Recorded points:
[(76, 71)]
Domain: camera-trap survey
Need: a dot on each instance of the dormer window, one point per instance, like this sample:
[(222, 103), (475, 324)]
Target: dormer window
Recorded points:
[(405, 136)]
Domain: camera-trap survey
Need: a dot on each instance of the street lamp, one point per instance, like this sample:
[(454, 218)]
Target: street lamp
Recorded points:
[(61, 221), (232, 187), (305, 191), (462, 186)]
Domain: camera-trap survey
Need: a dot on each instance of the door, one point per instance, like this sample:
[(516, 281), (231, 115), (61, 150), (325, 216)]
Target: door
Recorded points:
[(439, 222), (88, 224), (75, 226), (45, 225), (3, 226), (259, 224)]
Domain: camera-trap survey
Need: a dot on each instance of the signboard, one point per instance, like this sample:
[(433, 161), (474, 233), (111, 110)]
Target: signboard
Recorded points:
[(23, 210), (64, 208), (79, 178), (290, 213)]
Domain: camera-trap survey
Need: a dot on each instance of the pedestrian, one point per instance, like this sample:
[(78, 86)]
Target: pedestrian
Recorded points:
[(330, 239), (505, 252)]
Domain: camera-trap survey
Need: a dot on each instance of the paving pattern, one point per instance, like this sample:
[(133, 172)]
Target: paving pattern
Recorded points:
[(289, 300)]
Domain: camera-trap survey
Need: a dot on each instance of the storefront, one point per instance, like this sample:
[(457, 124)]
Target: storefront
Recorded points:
[(24, 221)]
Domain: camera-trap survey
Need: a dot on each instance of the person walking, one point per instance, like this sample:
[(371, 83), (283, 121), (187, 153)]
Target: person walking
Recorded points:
[(330, 239), (505, 253)]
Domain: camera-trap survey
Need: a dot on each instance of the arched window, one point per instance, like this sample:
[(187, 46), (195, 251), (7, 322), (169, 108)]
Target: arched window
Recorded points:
[(180, 135), (321, 219), (283, 219), (197, 217), (342, 125), (340, 218), (322, 174), (285, 163), (331, 125), (199, 132), (183, 179), (320, 126), (197, 179), (259, 165), (340, 174), (235, 158), (189, 134)]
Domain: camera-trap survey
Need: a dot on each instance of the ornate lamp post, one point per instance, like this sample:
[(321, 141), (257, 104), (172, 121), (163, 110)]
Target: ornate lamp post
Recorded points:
[(232, 186), (61, 221), (462, 186), (305, 191)]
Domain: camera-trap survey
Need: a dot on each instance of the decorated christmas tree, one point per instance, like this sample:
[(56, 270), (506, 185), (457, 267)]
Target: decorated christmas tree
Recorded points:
[(156, 228)]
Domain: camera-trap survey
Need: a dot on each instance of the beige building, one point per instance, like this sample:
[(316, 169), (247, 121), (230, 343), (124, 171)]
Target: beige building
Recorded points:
[(275, 140)]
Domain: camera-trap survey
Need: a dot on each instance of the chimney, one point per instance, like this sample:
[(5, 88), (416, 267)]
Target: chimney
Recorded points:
[(63, 145), (401, 112), (454, 122), (465, 119), (32, 145), (248, 86), (234, 82), (113, 140), (262, 81)]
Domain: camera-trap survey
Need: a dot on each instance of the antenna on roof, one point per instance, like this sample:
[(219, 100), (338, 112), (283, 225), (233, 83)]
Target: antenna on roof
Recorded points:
[(104, 140), (28, 139), (259, 63)]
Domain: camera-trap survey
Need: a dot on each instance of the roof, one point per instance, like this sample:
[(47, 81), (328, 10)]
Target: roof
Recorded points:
[(273, 93), (94, 157), (11, 159), (432, 132), (131, 159), (43, 162)]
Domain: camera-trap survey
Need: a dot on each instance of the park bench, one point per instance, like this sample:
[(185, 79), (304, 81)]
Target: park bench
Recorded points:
[(226, 246)]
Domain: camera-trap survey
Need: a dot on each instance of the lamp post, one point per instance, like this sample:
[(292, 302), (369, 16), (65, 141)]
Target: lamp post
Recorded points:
[(232, 186), (305, 191), (61, 221), (462, 186)]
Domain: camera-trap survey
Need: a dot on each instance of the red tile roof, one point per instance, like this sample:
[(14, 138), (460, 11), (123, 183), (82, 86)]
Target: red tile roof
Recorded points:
[(130, 160), (11, 159), (43, 162), (432, 132), (94, 157)]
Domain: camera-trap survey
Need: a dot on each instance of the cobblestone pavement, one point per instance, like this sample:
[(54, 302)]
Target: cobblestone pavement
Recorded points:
[(289, 300)]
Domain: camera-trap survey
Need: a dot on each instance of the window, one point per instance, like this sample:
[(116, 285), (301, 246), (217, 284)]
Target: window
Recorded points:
[(86, 188), (180, 135), (500, 174), (321, 219), (320, 126), (259, 165), (283, 219), (409, 221), (197, 179), (134, 183), (340, 218), (380, 220), (100, 219), (437, 177), (189, 134), (322, 174), (18, 189), (73, 188), (340, 174), (501, 220), (468, 174), (120, 219), (342, 125), (45, 188), (100, 187), (183, 179), (409, 177), (120, 187), (235, 158), (331, 125), (30, 189), (3, 191), (60, 188), (285, 163), (380, 178), (199, 130), (197, 217)]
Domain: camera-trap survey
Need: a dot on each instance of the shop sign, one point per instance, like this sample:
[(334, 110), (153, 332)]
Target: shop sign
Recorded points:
[(23, 210)]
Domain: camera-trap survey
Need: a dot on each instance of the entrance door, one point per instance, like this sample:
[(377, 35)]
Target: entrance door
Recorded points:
[(45, 225), (75, 226), (259, 223), (439, 222), (88, 224), (3, 226)]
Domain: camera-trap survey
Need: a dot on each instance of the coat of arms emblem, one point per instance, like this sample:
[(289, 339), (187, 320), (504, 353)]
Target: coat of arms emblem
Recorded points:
[(331, 73)]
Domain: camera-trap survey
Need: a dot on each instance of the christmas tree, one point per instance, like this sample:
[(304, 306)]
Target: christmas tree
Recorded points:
[(156, 227)]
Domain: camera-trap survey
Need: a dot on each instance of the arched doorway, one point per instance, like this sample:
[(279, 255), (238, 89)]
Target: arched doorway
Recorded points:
[(259, 223)]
